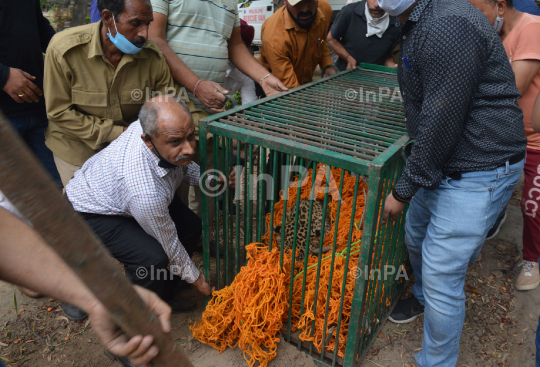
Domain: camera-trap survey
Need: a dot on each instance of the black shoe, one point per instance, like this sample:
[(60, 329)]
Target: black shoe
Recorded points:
[(179, 305), (123, 361), (494, 231), (406, 311), (73, 313)]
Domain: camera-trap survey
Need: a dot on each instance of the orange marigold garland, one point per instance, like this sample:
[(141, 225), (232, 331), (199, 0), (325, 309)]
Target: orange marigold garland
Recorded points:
[(251, 311), (248, 313)]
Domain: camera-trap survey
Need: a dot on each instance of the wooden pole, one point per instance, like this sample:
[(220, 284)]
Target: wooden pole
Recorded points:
[(30, 188)]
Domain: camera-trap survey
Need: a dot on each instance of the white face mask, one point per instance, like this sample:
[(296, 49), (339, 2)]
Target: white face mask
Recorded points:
[(395, 7), (498, 24)]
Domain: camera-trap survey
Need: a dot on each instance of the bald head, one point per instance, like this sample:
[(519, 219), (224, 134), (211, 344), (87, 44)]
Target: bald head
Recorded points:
[(164, 112), (168, 130)]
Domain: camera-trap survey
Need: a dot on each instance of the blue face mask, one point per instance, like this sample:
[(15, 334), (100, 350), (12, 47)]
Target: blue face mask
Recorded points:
[(122, 42)]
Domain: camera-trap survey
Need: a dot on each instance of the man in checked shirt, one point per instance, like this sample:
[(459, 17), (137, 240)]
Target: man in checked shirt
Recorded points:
[(126, 193), (460, 101)]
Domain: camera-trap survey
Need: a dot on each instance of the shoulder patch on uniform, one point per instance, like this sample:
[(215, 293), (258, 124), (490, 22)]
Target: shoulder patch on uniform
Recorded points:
[(72, 37)]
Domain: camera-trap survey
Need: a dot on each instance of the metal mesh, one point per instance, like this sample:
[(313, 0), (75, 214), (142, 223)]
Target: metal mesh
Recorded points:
[(358, 113)]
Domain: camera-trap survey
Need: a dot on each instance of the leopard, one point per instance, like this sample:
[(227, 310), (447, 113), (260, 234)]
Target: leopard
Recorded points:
[(303, 220)]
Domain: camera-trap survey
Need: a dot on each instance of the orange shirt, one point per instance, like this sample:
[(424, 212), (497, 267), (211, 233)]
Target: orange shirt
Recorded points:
[(523, 43), (327, 11), (292, 53)]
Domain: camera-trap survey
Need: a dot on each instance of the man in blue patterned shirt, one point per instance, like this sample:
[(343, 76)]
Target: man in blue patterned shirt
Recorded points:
[(460, 98)]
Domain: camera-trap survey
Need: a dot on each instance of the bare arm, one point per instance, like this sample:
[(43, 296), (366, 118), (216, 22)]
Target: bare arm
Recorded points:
[(525, 71), (28, 261), (338, 48), (536, 115), (390, 62), (246, 63), (210, 94)]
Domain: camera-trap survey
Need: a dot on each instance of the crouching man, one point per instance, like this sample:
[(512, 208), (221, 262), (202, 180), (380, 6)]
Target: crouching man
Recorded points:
[(126, 193)]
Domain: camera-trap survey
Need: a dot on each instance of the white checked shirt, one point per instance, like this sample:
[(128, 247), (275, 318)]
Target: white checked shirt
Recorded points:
[(6, 204), (125, 179)]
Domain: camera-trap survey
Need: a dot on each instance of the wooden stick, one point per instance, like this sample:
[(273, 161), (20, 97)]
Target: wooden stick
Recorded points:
[(30, 188)]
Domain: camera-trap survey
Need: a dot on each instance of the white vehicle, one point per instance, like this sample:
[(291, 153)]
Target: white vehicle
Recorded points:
[(255, 12)]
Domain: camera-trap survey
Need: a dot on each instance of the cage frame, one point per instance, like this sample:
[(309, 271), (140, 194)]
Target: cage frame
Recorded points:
[(387, 165)]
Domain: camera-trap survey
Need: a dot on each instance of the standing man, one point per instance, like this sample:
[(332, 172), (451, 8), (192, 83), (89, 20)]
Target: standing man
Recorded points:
[(97, 77), (25, 34), (364, 32), (519, 33), (198, 39), (293, 43), (468, 155)]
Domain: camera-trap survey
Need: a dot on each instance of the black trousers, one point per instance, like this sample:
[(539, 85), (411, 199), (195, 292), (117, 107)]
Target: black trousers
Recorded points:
[(145, 261)]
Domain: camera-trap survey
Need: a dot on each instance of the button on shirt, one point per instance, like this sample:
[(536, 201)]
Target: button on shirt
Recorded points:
[(88, 100), (459, 95), (292, 53), (124, 179)]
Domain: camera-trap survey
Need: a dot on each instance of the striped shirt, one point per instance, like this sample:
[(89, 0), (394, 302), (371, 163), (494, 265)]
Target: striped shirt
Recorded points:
[(124, 179), (198, 31)]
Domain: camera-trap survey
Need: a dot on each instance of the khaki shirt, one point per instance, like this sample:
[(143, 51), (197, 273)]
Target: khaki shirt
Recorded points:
[(292, 53), (89, 102)]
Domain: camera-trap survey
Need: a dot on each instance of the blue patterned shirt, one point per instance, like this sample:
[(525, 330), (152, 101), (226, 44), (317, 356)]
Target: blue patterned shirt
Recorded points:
[(459, 95)]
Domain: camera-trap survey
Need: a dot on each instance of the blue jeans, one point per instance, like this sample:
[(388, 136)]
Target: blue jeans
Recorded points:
[(31, 127), (444, 232)]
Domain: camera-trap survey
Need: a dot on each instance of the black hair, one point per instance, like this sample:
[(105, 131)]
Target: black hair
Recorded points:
[(509, 3), (115, 6)]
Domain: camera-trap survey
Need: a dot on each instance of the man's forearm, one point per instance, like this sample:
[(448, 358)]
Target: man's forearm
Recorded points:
[(29, 262), (338, 48), (180, 72), (245, 62)]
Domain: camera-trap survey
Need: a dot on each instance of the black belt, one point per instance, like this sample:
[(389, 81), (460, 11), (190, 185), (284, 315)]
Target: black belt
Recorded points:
[(513, 160)]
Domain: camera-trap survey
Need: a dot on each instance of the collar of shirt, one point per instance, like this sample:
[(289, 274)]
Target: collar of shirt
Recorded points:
[(96, 48), (415, 15), (360, 9), (289, 22)]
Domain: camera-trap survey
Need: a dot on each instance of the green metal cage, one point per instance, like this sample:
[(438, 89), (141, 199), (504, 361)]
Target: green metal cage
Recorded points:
[(353, 121)]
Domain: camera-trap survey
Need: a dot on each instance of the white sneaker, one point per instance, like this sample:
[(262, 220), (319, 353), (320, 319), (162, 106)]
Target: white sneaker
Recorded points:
[(529, 277)]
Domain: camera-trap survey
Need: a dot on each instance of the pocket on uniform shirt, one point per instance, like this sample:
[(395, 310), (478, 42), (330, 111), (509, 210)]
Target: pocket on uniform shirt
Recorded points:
[(134, 96), (89, 98)]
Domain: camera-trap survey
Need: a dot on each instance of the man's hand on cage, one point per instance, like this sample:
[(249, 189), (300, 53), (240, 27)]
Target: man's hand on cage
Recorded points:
[(211, 95), (392, 208), (232, 178), (203, 287), (272, 85)]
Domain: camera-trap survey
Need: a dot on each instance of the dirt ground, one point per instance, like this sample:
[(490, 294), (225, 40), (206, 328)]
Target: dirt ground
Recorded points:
[(499, 328)]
